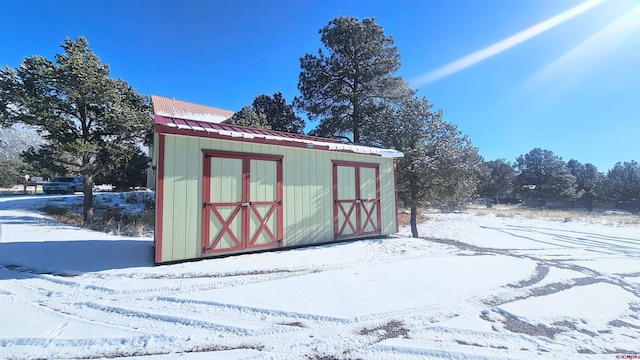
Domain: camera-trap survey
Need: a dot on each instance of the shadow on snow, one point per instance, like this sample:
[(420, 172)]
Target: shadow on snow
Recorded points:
[(70, 258)]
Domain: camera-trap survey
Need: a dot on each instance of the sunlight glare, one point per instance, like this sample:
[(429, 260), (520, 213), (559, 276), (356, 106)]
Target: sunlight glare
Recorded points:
[(577, 61), (503, 45)]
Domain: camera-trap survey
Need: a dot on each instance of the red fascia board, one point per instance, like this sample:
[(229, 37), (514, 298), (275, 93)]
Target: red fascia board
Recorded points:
[(354, 164)]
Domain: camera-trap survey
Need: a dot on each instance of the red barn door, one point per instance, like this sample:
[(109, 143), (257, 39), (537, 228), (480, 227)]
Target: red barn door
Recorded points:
[(356, 199), (242, 202)]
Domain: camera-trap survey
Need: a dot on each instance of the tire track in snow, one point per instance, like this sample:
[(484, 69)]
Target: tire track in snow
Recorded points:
[(181, 333), (550, 263), (52, 284), (529, 288)]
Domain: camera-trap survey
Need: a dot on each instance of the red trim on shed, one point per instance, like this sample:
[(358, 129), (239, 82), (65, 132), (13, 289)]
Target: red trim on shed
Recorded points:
[(246, 197), (379, 207), (280, 192), (206, 195), (334, 179), (159, 199), (395, 191)]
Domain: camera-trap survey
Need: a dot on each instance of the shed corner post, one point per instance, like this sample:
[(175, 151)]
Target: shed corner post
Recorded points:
[(395, 191), (159, 199)]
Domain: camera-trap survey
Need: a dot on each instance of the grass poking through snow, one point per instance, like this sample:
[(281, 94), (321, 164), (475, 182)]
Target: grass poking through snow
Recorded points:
[(110, 215), (612, 217)]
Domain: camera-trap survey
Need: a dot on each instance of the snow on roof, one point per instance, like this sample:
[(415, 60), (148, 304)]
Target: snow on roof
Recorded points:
[(185, 110), (172, 125)]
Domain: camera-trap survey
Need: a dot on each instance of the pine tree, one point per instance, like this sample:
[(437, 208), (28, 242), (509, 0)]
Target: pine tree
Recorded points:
[(496, 180), (440, 165), (623, 185), (247, 117), (279, 115), (588, 182), (543, 176), (9, 173), (348, 87), (89, 120), (454, 165), (9, 90)]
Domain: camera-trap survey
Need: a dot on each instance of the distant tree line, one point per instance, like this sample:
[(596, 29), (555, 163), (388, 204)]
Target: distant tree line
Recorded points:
[(540, 177)]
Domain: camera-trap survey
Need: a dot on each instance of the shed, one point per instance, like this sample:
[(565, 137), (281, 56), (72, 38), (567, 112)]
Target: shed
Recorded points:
[(225, 189)]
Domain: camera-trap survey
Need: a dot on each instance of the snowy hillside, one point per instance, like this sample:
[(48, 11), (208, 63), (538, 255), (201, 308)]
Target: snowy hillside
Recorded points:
[(15, 140), (485, 287)]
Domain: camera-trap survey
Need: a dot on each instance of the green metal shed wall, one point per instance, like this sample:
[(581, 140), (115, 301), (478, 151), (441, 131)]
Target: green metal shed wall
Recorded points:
[(307, 196)]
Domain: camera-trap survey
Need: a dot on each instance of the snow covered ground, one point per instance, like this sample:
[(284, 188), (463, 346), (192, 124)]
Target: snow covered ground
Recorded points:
[(481, 287)]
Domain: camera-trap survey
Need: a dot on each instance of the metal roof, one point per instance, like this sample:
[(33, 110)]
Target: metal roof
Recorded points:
[(188, 127), (185, 110)]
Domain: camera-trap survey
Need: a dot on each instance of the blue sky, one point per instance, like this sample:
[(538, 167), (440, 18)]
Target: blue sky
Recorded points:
[(573, 89)]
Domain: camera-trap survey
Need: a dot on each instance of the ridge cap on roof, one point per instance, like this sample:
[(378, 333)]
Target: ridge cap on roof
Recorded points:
[(173, 107), (188, 102)]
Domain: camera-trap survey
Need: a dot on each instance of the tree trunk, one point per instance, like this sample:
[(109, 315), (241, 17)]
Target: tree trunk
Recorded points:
[(87, 212), (356, 130), (414, 225), (356, 120), (488, 203), (589, 202)]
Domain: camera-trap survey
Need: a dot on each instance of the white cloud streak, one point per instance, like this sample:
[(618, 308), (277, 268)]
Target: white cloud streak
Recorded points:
[(503, 45)]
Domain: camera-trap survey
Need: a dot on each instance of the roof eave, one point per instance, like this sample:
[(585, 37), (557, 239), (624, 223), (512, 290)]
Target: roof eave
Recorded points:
[(164, 125)]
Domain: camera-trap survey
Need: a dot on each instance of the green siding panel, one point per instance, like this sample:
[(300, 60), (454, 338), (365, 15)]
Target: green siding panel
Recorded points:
[(368, 183), (307, 192), (326, 194), (388, 199), (193, 195), (226, 180), (180, 196), (168, 208)]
